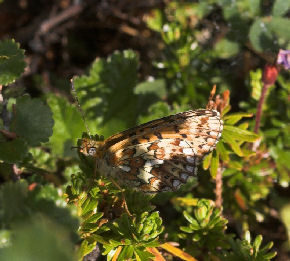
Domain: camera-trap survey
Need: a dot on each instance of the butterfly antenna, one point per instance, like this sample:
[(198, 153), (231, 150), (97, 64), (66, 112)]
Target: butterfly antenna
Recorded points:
[(75, 95)]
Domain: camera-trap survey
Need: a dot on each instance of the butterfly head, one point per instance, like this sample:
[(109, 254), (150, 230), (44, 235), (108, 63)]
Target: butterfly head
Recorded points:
[(91, 146)]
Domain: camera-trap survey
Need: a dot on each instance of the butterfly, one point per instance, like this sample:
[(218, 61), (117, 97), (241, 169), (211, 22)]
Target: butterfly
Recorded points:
[(159, 155)]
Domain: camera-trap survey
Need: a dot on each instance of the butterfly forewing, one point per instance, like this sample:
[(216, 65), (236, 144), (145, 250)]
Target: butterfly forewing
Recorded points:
[(162, 154)]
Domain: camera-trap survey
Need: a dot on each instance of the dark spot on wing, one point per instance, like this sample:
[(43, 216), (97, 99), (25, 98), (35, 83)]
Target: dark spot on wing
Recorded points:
[(135, 142), (132, 134), (145, 138), (158, 135)]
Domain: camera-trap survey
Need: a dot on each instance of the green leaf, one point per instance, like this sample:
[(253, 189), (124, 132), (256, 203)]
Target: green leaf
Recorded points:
[(214, 165), (126, 253), (281, 7), (233, 144), (68, 126), (270, 255), (138, 202), (240, 134), (18, 203), (261, 36), (11, 61), (5, 238), (155, 21), (190, 229), (255, 7), (225, 48), (85, 248), (111, 83), (233, 118), (156, 87), (248, 236), (143, 254), (148, 93), (235, 165), (206, 161), (281, 27), (13, 202), (39, 234), (89, 205), (13, 151), (32, 120), (221, 150), (257, 242), (189, 218), (256, 83)]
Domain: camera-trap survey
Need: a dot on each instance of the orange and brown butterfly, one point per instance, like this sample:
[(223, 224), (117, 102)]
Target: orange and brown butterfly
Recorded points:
[(159, 155)]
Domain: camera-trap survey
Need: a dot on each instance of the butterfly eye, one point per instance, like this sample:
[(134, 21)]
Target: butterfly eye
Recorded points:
[(92, 151)]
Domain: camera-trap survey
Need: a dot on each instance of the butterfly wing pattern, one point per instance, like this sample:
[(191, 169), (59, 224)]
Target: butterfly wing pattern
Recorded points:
[(159, 155)]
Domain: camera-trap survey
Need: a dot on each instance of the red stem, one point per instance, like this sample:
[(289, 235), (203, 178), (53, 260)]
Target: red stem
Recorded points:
[(260, 106)]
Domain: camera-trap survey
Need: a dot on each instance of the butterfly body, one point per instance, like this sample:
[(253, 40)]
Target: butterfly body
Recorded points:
[(159, 155)]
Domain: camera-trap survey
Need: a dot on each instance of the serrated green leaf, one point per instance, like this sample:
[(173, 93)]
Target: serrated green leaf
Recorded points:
[(32, 120), (107, 93), (240, 134), (68, 126), (11, 61), (13, 151)]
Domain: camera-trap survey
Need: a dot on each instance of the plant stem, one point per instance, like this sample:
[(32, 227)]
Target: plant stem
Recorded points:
[(260, 106), (219, 188)]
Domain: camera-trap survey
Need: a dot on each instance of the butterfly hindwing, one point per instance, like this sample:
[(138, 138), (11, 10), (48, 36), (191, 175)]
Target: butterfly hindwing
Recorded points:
[(162, 154)]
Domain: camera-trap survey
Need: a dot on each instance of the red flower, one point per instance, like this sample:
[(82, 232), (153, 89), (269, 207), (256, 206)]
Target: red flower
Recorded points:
[(270, 74)]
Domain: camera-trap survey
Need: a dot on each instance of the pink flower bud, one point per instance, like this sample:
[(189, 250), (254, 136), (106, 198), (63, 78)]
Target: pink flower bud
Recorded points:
[(270, 74)]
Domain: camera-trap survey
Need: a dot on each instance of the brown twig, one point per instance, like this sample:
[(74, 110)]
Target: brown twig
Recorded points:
[(219, 187), (51, 22)]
